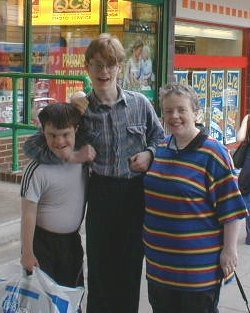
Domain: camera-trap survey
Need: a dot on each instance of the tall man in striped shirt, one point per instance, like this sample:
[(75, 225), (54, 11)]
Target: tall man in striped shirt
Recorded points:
[(124, 129)]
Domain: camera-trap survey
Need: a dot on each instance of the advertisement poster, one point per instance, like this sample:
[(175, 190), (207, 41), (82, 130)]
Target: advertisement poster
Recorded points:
[(232, 105), (6, 107), (217, 104), (199, 83), (139, 72), (181, 77), (66, 62)]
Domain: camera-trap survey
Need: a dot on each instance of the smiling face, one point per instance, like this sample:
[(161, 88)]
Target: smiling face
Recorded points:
[(60, 141), (179, 115), (102, 73)]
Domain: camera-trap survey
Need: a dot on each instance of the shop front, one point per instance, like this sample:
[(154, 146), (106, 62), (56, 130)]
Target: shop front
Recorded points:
[(51, 37), (212, 55)]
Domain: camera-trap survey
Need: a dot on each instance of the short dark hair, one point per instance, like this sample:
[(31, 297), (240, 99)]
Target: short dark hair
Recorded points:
[(60, 115)]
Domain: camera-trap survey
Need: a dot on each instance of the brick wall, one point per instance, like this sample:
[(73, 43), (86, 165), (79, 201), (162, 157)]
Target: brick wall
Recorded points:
[(6, 158)]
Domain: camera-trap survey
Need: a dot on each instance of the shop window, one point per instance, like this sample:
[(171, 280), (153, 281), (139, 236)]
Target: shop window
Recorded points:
[(207, 40), (139, 35), (61, 32), (11, 58)]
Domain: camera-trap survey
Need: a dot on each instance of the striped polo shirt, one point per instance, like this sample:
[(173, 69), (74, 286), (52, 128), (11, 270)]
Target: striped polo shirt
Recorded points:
[(189, 195)]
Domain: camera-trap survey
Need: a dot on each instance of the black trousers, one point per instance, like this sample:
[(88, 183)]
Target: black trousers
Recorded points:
[(165, 300), (60, 256), (114, 244)]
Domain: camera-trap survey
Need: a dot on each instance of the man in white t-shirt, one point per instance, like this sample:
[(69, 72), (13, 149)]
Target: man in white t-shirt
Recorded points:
[(53, 201)]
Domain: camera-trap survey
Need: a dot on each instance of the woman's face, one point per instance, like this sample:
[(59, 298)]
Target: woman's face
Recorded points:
[(179, 115), (138, 52)]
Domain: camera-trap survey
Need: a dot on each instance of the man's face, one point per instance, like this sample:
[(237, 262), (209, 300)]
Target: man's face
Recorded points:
[(103, 75), (60, 141)]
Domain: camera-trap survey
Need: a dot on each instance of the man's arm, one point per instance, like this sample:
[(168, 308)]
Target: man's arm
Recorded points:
[(155, 132), (154, 135), (35, 148), (28, 224)]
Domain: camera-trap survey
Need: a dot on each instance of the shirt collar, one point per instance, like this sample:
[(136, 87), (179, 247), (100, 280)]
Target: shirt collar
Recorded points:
[(96, 104), (194, 144)]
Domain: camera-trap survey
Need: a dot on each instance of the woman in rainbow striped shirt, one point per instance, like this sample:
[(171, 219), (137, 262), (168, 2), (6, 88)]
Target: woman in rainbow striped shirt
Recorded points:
[(193, 212)]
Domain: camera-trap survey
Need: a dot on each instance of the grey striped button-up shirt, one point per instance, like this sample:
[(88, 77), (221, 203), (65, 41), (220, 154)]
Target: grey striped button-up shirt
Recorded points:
[(120, 131), (116, 132)]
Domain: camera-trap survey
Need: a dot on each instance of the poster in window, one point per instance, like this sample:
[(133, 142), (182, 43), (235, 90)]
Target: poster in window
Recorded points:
[(232, 105), (217, 104), (181, 77), (6, 106), (199, 83), (139, 72), (66, 62)]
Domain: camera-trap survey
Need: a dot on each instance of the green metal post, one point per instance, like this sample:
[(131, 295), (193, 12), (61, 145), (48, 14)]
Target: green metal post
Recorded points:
[(104, 16), (27, 59), (15, 156), (87, 84)]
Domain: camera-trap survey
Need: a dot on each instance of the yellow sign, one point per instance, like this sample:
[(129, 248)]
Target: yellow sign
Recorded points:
[(65, 12), (75, 12), (117, 11)]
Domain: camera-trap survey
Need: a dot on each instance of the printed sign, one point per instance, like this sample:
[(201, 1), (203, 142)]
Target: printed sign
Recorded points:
[(66, 62), (181, 77), (199, 84), (75, 12), (232, 105), (217, 104)]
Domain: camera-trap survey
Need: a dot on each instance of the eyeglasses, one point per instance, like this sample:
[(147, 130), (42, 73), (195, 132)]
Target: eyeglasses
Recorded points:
[(98, 67)]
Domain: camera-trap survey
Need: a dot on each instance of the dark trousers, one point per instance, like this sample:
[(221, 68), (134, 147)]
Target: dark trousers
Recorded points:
[(114, 244), (60, 256), (165, 300)]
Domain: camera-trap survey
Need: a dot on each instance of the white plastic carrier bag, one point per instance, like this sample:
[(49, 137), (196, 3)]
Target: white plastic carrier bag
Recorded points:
[(36, 293)]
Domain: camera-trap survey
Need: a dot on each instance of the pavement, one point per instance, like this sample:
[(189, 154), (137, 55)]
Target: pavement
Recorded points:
[(10, 205), (231, 300)]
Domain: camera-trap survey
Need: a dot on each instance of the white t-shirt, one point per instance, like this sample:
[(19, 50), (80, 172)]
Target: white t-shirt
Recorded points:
[(60, 194)]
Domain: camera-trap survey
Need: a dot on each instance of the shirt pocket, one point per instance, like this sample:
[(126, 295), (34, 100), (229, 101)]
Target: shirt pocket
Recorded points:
[(136, 138)]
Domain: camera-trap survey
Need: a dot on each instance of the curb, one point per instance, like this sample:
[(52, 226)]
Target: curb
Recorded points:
[(10, 231)]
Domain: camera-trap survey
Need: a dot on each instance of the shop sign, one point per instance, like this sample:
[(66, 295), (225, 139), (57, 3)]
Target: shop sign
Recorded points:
[(232, 105), (217, 104), (75, 12), (199, 83)]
